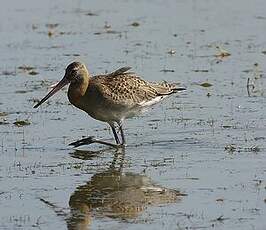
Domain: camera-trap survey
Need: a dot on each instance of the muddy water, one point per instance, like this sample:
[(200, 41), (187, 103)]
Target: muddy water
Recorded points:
[(196, 161)]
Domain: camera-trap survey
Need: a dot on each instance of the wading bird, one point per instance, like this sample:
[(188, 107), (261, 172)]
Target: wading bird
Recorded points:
[(110, 97)]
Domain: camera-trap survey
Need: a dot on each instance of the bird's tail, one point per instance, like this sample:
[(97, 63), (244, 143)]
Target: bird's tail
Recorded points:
[(165, 88), (178, 89)]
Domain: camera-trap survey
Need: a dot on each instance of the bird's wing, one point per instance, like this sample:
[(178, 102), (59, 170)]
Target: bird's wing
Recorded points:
[(126, 88), (120, 71)]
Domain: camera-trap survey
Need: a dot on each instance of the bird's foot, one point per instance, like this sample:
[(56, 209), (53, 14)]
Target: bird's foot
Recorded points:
[(90, 140), (84, 141)]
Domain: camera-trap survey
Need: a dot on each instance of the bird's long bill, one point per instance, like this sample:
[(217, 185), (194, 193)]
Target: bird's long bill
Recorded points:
[(59, 86)]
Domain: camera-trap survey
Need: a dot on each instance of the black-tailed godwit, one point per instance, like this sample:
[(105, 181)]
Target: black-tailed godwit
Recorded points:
[(110, 97)]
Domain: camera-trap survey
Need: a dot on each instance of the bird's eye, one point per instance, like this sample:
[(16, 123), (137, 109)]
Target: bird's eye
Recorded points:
[(73, 72), (78, 77)]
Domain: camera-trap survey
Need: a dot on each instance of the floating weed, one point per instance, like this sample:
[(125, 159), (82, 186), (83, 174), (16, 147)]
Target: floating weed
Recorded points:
[(205, 84), (91, 14), (107, 25), (260, 17), (227, 126), (247, 70), (135, 24), (52, 25), (34, 100), (171, 52), (22, 91), (34, 27), (8, 73), (50, 33), (255, 83), (73, 55), (167, 71), (33, 72), (220, 219), (86, 12), (20, 123), (3, 114), (138, 44), (222, 52), (190, 178), (66, 33), (200, 70), (231, 148), (108, 32), (259, 138), (113, 32), (4, 122), (253, 149), (26, 68)]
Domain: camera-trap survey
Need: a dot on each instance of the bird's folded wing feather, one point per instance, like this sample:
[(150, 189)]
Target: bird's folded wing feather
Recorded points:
[(126, 88)]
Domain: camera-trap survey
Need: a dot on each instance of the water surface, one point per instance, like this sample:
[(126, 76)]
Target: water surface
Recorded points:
[(196, 161)]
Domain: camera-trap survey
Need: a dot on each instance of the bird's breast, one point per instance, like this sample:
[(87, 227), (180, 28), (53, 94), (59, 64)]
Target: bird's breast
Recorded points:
[(74, 96), (89, 102), (99, 107)]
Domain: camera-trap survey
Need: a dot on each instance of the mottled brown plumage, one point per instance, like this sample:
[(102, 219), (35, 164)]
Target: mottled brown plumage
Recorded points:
[(110, 97), (122, 87)]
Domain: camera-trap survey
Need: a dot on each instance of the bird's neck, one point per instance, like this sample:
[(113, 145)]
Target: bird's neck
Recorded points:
[(77, 90)]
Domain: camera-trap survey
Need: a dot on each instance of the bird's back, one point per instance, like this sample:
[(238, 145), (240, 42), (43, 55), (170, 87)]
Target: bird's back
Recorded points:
[(122, 94), (126, 88)]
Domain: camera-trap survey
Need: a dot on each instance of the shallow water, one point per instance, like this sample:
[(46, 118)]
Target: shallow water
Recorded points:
[(195, 161)]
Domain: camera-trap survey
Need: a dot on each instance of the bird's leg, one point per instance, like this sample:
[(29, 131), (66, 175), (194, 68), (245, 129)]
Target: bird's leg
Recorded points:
[(90, 140), (115, 134), (122, 133)]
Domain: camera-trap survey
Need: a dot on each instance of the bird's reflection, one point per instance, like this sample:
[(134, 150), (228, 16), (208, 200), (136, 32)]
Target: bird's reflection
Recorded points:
[(116, 194)]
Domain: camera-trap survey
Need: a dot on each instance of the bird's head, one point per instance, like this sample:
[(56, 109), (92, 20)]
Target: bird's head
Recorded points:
[(75, 74)]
